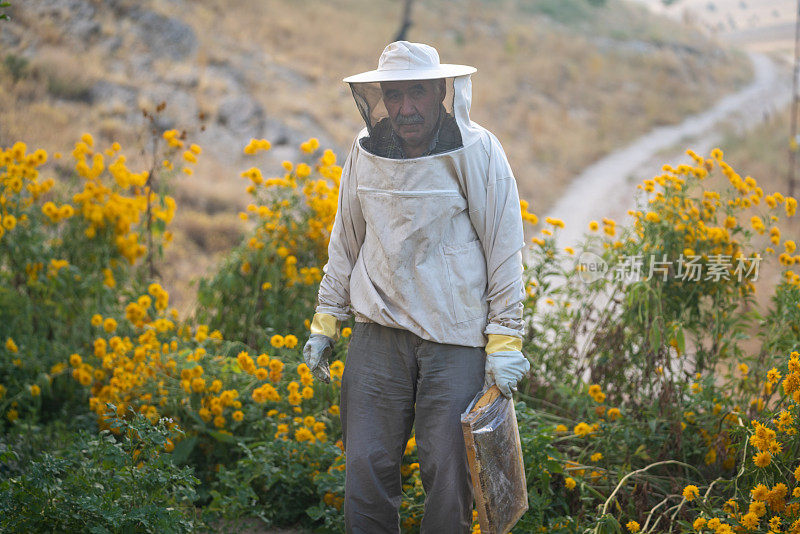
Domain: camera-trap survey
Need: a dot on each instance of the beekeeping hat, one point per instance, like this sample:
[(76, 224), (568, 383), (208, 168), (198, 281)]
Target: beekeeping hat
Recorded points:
[(402, 60)]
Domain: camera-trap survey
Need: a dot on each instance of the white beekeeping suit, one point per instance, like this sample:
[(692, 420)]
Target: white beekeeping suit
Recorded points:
[(425, 251), (431, 244)]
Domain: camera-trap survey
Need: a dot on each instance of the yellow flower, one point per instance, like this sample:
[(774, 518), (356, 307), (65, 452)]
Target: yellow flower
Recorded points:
[(109, 325), (294, 398), (653, 218), (276, 341), (614, 414), (35, 390), (691, 492), (290, 341), (561, 429), (346, 332), (308, 392), (633, 526), (12, 415), (9, 222), (749, 520), (238, 415), (773, 376), (569, 483), (596, 457), (303, 434), (337, 368), (593, 226), (198, 384), (11, 346), (582, 429), (758, 508), (762, 459)]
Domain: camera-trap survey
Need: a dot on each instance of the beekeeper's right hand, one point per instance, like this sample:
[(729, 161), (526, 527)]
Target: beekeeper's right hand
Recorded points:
[(319, 347)]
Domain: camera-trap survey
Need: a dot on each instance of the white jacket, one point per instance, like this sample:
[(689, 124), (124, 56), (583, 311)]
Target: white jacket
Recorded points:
[(432, 244)]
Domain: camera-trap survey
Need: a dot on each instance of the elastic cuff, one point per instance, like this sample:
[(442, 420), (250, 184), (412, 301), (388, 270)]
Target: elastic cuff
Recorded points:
[(325, 324), (499, 342)]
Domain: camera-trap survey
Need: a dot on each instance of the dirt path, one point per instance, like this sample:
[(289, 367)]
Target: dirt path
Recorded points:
[(607, 187)]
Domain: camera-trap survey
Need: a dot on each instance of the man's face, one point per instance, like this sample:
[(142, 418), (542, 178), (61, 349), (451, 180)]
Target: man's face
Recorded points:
[(413, 108)]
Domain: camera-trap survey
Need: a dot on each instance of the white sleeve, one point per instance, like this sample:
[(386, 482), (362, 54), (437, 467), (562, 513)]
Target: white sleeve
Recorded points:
[(495, 213), (347, 236)]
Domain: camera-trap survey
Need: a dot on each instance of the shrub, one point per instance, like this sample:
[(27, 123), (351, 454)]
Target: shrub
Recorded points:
[(268, 285), (103, 483)]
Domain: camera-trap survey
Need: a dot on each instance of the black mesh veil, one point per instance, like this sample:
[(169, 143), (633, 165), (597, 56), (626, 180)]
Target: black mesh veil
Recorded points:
[(369, 99)]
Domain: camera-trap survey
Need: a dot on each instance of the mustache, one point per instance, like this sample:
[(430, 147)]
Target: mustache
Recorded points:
[(409, 119)]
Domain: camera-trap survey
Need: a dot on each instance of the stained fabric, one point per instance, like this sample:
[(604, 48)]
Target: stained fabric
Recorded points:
[(432, 244), (393, 379)]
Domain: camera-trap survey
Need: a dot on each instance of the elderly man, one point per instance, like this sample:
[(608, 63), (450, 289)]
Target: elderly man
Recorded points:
[(425, 251)]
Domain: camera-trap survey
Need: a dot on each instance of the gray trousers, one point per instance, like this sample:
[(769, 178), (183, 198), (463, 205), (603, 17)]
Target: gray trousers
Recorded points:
[(392, 380)]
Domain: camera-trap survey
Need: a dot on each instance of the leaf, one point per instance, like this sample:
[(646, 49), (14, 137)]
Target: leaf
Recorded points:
[(608, 525), (554, 466), (655, 337), (183, 449), (681, 340), (221, 436)]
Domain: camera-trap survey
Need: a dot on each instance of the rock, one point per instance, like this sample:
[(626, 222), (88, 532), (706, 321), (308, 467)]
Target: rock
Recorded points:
[(164, 36), (76, 17), (241, 114), (226, 79), (113, 95), (181, 108), (10, 37)]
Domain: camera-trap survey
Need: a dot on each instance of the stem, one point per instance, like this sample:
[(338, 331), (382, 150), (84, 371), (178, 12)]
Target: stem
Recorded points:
[(629, 475), (148, 191), (792, 152)]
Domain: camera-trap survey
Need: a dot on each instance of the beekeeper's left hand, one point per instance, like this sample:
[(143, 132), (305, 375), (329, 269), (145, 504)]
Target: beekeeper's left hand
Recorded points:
[(505, 363)]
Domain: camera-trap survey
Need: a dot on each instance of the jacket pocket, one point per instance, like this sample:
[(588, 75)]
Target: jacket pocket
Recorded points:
[(466, 270)]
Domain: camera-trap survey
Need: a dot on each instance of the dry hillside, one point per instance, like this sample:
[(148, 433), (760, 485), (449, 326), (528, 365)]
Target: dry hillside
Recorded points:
[(560, 82)]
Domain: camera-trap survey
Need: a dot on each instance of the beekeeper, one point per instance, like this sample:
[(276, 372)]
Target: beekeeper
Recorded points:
[(425, 251)]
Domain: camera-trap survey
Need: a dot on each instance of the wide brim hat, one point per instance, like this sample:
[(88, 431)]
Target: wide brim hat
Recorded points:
[(401, 61)]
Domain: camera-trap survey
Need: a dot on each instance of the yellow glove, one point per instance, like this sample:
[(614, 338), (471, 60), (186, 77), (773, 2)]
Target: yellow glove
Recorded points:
[(499, 342), (505, 363), (325, 324)]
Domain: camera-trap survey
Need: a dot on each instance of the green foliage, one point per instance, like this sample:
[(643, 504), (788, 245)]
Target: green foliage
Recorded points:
[(638, 388), (17, 66), (274, 481), (111, 482), (269, 284), (237, 306), (567, 12)]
